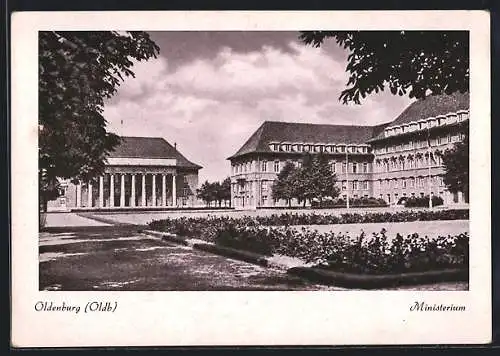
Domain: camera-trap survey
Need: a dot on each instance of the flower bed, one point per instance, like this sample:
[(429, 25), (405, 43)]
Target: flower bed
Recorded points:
[(375, 254), (196, 227)]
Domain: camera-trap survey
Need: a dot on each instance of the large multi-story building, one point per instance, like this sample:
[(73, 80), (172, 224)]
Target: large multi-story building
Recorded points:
[(390, 161), (141, 173)]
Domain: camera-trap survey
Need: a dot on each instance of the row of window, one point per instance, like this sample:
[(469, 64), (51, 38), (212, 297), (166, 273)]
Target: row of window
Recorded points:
[(412, 182), (355, 185), (354, 167), (430, 122), (415, 144), (408, 163), (317, 148)]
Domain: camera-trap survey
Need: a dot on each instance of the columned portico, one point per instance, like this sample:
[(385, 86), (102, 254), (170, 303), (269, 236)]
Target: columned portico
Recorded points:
[(122, 191), (164, 190), (174, 190), (141, 173), (143, 191), (132, 191), (101, 192), (153, 185)]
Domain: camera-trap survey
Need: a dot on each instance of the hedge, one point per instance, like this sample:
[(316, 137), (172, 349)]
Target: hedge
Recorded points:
[(195, 227), (354, 202), (374, 254), (420, 202)]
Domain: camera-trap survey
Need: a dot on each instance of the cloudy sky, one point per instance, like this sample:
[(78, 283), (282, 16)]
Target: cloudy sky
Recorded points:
[(209, 91)]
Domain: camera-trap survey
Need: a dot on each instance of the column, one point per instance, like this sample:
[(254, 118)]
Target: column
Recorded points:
[(132, 193), (164, 190), (154, 190), (78, 194), (111, 190), (89, 195), (174, 191), (122, 190), (101, 192), (143, 191)]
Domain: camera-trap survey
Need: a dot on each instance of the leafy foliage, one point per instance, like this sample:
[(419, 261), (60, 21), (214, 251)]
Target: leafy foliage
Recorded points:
[(215, 192), (456, 165), (353, 202), (313, 180), (417, 63), (284, 186), (205, 227), (360, 254), (422, 202), (77, 72)]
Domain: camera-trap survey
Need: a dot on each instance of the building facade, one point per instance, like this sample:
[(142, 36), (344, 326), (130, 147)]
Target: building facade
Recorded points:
[(141, 173), (398, 159)]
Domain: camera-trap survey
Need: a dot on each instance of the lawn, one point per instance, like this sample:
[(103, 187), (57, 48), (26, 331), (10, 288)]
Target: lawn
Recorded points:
[(423, 228)]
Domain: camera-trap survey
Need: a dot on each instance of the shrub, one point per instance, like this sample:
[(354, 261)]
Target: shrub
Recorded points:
[(353, 202), (422, 202), (207, 227)]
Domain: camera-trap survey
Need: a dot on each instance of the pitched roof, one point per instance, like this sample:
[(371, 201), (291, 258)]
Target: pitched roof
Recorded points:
[(276, 131), (150, 147), (432, 106)]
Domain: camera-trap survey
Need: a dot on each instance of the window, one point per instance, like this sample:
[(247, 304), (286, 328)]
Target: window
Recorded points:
[(355, 185), (403, 183), (344, 185), (364, 185), (276, 166), (264, 186), (332, 166), (264, 166), (354, 168), (342, 149), (395, 183), (365, 167), (343, 167), (402, 164)]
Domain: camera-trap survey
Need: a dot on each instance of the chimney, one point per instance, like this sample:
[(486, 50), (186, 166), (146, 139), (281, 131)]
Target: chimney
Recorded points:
[(175, 145)]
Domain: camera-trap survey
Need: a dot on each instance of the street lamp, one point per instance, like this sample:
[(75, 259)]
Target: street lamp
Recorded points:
[(347, 174), (429, 164)]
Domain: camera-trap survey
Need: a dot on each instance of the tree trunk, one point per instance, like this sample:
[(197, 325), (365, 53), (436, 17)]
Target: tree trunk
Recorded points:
[(42, 212)]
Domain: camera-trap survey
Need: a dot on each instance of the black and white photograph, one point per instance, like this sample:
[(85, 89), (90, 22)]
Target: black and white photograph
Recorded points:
[(254, 160), (328, 159)]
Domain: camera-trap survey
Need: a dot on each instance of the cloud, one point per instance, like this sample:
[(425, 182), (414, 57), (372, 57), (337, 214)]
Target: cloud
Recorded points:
[(210, 105)]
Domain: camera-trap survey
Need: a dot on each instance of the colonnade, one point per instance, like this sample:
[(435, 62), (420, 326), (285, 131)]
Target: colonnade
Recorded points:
[(133, 196)]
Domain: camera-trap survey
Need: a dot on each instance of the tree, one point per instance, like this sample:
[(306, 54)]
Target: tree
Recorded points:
[(225, 191), (417, 63), (313, 180), (77, 72), (323, 181), (206, 193), (456, 165), (283, 186)]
